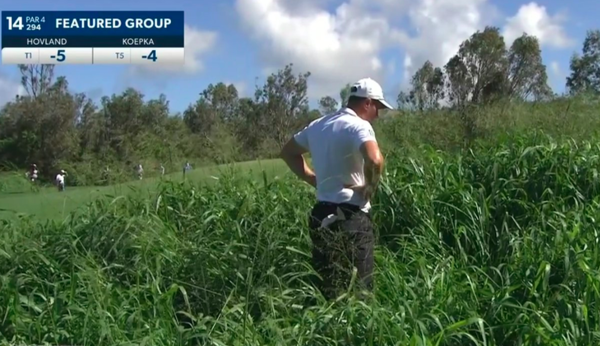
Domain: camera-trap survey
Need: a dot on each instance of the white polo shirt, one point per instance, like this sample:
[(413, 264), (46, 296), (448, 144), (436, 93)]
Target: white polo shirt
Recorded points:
[(334, 144), (60, 179)]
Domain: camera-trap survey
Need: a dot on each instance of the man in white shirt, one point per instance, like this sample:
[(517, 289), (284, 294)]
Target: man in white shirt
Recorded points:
[(60, 180), (186, 168), (33, 175), (347, 164), (140, 171)]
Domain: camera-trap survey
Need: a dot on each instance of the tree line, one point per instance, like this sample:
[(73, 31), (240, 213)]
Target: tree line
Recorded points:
[(58, 129)]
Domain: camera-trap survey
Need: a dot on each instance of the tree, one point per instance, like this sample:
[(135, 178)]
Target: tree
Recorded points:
[(123, 118), (404, 100), (94, 134), (328, 105), (526, 75), (223, 100), (218, 104), (484, 71), (478, 67), (43, 128), (248, 126), (585, 69), (459, 84), (59, 136), (344, 94), (427, 89), (36, 79), (213, 119), (283, 99)]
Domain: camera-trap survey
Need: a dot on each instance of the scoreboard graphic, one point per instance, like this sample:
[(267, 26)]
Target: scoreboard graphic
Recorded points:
[(93, 37)]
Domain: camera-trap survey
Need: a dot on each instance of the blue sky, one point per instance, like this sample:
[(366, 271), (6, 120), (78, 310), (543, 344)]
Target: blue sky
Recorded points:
[(238, 41)]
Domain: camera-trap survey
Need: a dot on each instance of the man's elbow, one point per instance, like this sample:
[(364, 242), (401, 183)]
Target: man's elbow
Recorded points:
[(290, 150), (375, 161), (289, 156), (371, 154), (284, 154)]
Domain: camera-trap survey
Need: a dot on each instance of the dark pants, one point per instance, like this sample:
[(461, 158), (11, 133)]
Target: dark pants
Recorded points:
[(340, 247)]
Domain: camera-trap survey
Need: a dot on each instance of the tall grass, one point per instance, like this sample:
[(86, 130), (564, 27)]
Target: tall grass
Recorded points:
[(497, 246), (451, 130)]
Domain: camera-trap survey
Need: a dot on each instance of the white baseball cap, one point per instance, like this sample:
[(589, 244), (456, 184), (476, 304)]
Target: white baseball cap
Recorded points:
[(368, 88)]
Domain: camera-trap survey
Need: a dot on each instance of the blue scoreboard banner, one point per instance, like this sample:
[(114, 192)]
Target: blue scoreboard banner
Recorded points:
[(92, 37)]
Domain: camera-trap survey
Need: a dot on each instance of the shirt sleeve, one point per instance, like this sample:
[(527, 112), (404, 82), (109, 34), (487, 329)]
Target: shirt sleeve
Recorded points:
[(363, 133), (301, 137)]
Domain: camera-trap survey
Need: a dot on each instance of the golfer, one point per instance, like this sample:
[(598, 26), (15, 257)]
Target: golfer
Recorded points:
[(33, 175), (140, 171), (347, 167), (186, 168), (60, 180)]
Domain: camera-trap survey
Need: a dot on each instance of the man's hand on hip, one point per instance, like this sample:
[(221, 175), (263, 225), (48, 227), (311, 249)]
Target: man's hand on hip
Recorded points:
[(365, 191)]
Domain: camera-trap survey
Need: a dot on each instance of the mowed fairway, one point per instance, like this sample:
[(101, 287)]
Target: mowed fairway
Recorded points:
[(48, 203), (496, 247)]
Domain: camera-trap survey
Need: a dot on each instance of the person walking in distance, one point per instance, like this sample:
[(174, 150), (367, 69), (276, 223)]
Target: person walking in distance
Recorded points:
[(140, 171), (186, 168), (347, 167), (33, 173), (60, 180), (106, 175)]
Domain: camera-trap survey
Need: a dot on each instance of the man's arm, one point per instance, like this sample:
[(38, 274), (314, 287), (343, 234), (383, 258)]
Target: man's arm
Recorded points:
[(291, 153), (365, 141), (373, 166)]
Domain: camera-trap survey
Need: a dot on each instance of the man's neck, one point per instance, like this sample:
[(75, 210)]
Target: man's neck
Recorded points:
[(354, 111)]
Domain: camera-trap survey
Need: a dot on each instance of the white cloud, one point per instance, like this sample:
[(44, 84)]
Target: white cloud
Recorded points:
[(304, 7), (197, 44), (341, 45), (535, 20), (9, 89), (337, 48), (441, 26)]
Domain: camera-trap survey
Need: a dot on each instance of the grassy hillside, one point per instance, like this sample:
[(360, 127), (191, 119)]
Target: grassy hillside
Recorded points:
[(497, 246)]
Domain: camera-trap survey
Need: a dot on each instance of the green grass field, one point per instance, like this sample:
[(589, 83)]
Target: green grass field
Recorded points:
[(498, 246), (18, 197)]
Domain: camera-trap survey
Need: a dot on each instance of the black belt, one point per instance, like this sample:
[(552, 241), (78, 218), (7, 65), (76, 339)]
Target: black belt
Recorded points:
[(345, 207)]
